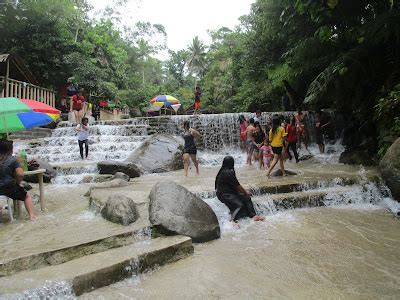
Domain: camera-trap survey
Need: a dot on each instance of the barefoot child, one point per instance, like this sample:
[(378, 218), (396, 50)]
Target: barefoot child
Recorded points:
[(265, 155)]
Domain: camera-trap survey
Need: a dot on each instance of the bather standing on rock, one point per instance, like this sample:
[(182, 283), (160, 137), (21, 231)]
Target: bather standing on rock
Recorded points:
[(190, 149), (233, 194)]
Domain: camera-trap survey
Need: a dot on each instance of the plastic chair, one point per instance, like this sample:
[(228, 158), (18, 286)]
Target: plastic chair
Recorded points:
[(9, 207)]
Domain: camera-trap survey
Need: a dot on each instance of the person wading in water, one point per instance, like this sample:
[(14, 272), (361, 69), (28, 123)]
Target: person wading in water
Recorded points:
[(277, 136), (233, 194), (189, 149)]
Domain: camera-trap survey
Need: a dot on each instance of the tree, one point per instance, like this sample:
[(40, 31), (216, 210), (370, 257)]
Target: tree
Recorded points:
[(197, 60)]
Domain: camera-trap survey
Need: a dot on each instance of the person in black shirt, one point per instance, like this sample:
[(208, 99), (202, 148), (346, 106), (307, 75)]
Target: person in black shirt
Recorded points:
[(232, 194), (11, 175), (190, 149)]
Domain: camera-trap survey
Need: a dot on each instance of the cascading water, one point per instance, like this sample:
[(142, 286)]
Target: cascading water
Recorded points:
[(360, 196)]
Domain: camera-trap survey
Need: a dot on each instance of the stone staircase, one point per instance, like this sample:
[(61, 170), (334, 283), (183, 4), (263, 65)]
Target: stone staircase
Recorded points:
[(92, 271), (36, 133)]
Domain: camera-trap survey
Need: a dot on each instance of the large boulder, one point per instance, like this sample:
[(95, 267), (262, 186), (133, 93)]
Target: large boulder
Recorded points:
[(47, 176), (278, 172), (120, 209), (173, 209), (356, 157), (112, 167), (159, 153), (390, 169)]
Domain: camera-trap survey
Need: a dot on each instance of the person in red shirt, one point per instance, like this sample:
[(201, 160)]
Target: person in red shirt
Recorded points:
[(292, 139), (77, 105)]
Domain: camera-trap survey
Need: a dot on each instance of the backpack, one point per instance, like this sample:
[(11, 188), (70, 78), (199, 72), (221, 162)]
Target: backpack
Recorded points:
[(72, 89)]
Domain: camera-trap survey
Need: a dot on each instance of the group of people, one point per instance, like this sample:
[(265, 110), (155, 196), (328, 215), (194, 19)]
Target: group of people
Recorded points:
[(272, 143)]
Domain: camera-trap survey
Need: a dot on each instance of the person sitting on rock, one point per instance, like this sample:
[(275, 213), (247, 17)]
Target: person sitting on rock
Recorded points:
[(233, 194), (11, 175)]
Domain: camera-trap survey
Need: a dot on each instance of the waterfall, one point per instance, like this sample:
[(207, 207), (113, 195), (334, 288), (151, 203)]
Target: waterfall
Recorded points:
[(115, 140)]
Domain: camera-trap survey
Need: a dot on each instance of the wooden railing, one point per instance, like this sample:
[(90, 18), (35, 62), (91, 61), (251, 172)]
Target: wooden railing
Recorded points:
[(23, 90)]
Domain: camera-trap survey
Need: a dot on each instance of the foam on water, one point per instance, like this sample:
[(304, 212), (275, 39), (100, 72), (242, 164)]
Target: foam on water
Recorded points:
[(370, 196), (51, 290)]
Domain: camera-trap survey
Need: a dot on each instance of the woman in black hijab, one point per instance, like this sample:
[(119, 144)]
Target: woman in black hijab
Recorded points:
[(232, 194)]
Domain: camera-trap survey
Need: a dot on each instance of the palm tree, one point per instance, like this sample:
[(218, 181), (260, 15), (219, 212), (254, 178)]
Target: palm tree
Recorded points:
[(197, 60)]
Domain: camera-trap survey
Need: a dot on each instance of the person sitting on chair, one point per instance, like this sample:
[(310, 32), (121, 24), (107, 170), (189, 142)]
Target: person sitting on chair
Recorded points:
[(11, 175)]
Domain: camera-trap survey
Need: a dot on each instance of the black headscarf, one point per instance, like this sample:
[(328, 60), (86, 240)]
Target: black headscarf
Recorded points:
[(227, 163)]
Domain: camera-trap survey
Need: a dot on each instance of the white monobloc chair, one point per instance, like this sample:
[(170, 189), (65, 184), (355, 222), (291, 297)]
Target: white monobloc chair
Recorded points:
[(9, 202)]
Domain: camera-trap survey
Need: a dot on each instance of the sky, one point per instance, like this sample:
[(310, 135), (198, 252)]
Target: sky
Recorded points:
[(183, 19)]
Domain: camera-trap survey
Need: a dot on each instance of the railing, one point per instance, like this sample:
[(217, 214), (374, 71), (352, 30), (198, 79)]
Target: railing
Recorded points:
[(23, 90)]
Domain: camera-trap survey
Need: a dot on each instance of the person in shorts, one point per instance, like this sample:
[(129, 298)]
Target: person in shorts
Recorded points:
[(277, 136), (190, 149), (197, 103), (77, 105), (11, 175)]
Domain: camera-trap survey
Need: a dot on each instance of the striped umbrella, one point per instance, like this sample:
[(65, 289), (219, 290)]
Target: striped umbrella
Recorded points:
[(21, 114), (166, 100)]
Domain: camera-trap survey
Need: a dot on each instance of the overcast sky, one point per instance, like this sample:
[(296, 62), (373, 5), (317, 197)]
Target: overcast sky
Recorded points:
[(184, 19)]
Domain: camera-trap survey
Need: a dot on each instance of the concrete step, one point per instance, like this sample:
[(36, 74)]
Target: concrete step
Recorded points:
[(298, 199), (97, 270), (31, 134), (33, 261)]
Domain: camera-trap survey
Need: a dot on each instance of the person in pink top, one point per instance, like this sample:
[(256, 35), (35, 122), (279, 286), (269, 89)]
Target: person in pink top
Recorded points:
[(243, 125), (265, 155)]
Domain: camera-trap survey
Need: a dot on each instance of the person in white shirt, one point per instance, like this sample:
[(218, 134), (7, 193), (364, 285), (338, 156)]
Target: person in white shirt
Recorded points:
[(83, 136), (257, 118)]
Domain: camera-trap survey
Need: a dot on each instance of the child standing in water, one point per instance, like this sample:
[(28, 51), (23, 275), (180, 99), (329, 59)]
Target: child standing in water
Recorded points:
[(277, 136), (265, 155), (83, 136)]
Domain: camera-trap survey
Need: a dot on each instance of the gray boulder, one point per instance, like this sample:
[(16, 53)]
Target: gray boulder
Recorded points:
[(120, 209), (173, 209), (306, 157), (356, 157), (390, 169), (120, 175), (47, 176), (159, 153), (107, 185), (112, 167), (279, 172)]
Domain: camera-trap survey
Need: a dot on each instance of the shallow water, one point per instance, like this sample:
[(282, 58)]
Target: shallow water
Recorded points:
[(308, 253)]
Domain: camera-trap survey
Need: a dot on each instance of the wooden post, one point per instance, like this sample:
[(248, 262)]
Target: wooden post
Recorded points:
[(7, 75), (42, 204)]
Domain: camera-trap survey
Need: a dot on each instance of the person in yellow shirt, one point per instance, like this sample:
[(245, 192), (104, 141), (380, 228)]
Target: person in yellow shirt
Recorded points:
[(277, 136)]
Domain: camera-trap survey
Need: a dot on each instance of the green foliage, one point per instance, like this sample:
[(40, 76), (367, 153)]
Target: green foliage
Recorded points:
[(387, 118)]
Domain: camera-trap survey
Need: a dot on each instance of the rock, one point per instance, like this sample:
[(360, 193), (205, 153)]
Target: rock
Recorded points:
[(47, 176), (120, 209), (279, 172), (158, 153), (106, 185), (390, 169), (135, 112), (306, 157), (356, 157), (173, 209), (112, 167), (120, 175)]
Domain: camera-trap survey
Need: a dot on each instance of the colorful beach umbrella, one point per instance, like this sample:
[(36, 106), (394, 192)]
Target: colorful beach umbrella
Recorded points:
[(18, 115), (166, 100)]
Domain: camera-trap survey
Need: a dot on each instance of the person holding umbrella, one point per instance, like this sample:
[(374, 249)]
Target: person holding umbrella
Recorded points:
[(11, 175)]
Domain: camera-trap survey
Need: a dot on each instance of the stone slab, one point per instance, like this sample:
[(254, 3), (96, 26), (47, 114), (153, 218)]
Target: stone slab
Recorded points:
[(97, 270)]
